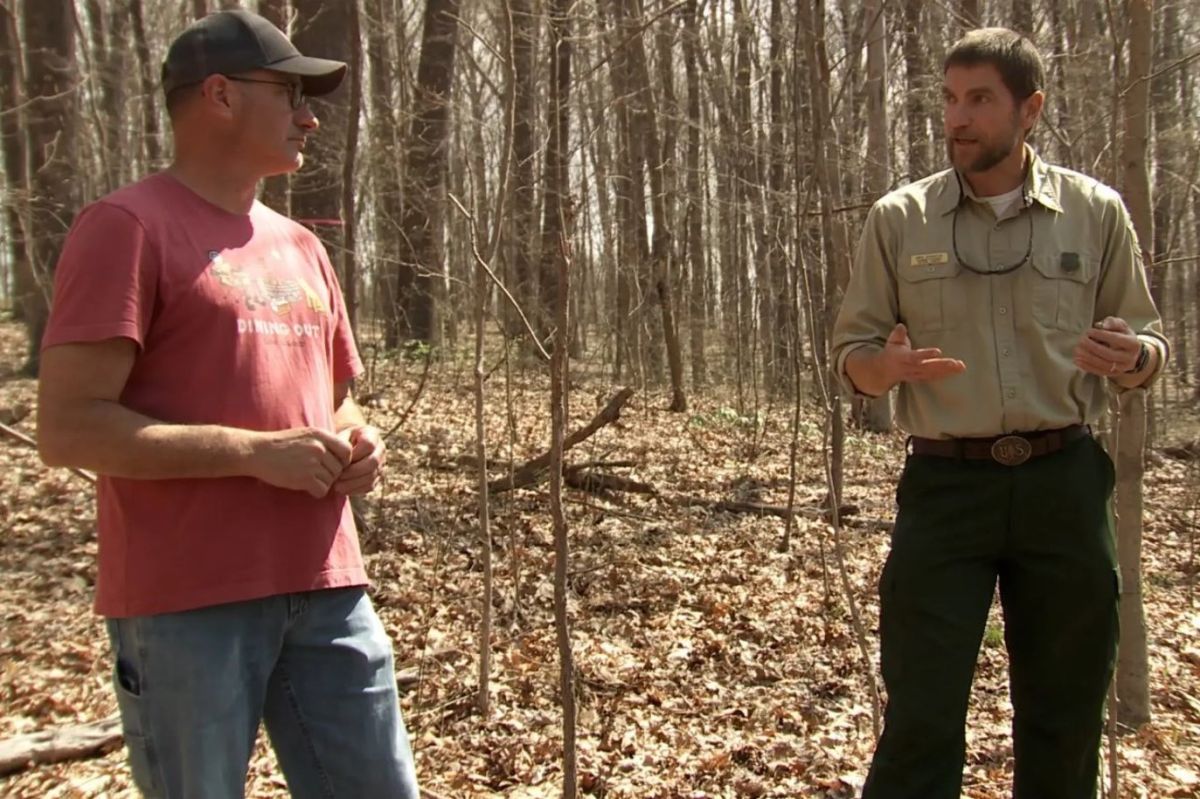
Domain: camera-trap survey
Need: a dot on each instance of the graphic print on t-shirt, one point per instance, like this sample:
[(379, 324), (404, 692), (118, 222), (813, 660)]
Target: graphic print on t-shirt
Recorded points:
[(279, 295)]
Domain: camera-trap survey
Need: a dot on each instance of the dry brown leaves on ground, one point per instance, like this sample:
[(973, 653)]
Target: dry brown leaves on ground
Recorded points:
[(710, 664)]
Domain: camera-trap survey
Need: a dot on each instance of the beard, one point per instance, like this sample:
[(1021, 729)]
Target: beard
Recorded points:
[(991, 151)]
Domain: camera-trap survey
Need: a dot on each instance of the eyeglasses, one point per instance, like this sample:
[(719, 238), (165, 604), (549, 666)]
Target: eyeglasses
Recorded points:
[(295, 90), (954, 235)]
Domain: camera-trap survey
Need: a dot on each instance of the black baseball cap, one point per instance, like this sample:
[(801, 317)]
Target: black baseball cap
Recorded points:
[(229, 42)]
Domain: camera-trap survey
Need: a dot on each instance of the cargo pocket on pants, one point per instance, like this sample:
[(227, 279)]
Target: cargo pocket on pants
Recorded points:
[(128, 688)]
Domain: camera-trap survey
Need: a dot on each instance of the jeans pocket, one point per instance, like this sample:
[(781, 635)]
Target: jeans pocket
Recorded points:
[(137, 745), (127, 684)]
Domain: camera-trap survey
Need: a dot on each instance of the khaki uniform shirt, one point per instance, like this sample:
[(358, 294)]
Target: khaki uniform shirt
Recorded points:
[(1015, 332)]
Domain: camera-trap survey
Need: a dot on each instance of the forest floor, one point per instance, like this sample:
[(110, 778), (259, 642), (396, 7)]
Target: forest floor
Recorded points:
[(710, 663)]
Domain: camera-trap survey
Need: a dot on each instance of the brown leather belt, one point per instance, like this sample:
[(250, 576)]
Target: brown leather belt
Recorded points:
[(1011, 450)]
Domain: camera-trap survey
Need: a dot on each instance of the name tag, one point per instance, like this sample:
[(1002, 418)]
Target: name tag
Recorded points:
[(930, 259)]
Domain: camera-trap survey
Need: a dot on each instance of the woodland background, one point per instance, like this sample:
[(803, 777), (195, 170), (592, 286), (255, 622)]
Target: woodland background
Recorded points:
[(669, 192)]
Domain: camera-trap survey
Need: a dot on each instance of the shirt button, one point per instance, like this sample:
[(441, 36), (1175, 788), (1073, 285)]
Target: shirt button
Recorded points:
[(1011, 393), (1004, 352), (1003, 310)]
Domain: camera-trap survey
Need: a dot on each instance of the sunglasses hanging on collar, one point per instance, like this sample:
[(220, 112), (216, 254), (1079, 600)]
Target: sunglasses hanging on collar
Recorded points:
[(954, 234)]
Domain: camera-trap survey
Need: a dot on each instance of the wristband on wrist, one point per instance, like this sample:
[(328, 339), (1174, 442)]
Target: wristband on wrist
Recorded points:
[(1142, 359)]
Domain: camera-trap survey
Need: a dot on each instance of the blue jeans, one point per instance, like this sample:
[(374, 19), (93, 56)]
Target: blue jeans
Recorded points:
[(316, 667)]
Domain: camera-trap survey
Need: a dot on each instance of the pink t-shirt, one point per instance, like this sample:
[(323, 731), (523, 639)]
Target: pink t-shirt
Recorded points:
[(239, 321)]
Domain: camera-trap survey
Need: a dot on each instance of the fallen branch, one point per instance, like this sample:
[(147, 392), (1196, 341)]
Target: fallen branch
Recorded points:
[(24, 439), (1189, 451), (53, 746), (531, 471), (593, 482), (757, 508), (874, 525)]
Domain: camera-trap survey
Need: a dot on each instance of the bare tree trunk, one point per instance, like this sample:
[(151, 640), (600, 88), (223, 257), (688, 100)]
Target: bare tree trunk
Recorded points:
[(50, 126), (609, 279), (1133, 689), (96, 67), (628, 180), (559, 414), (727, 266), (837, 275), (667, 266), (523, 228), (1059, 67), (1022, 17), (483, 695), (694, 222), (1086, 63), (747, 231), (349, 254), (1194, 374), (968, 14), (423, 199), (917, 76), (12, 139), (647, 150), (275, 188), (779, 323), (385, 163), (835, 249), (877, 414), (152, 147), (556, 187), (1116, 62), (316, 190), (1164, 96), (1133, 666), (1167, 171), (199, 8)]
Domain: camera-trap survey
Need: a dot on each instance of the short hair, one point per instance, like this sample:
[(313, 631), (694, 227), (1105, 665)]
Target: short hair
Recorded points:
[(178, 97), (1014, 57)]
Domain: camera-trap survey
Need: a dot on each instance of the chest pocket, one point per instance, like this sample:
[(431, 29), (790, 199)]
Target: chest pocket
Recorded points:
[(1064, 289), (927, 295)]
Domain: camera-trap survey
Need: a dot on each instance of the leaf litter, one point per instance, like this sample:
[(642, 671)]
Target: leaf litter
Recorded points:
[(709, 663)]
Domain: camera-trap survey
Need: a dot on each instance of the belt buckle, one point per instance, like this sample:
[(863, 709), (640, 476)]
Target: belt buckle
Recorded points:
[(1011, 450)]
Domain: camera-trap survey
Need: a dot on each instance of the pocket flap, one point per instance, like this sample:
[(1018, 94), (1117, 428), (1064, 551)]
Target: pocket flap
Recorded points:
[(1079, 267)]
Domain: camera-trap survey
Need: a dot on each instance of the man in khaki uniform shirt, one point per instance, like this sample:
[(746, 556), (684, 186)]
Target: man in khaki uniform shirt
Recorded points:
[(1000, 296)]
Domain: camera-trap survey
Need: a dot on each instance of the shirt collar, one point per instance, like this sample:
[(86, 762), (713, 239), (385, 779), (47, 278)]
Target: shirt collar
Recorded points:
[(1038, 187)]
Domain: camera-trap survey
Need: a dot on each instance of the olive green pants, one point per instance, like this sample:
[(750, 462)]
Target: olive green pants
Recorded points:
[(1044, 531)]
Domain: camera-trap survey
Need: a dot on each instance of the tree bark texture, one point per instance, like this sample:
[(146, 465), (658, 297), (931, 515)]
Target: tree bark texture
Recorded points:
[(51, 118), (348, 259), (559, 413), (556, 193), (423, 198), (916, 72), (522, 236), (148, 77), (877, 413), (326, 30), (1133, 663), (12, 143), (836, 251), (697, 253), (1022, 17), (275, 188), (1133, 689), (646, 145)]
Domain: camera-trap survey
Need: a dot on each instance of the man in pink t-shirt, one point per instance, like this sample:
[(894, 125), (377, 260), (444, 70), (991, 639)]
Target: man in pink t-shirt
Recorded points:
[(199, 359)]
